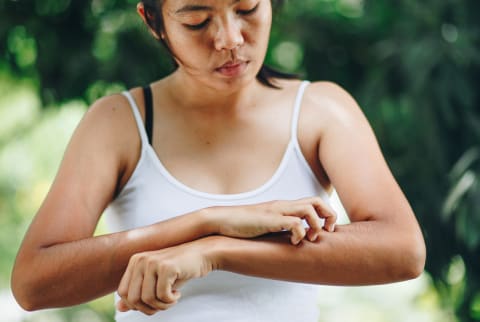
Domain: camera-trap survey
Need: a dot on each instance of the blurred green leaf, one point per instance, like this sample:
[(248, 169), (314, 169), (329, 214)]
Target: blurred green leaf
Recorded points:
[(414, 67)]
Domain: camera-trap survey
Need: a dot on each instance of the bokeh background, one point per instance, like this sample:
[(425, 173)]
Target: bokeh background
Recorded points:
[(412, 65)]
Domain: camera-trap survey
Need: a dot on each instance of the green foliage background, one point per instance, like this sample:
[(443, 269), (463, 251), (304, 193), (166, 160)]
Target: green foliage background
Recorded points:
[(412, 65)]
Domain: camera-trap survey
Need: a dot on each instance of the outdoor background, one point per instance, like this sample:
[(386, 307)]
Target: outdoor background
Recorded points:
[(412, 65)]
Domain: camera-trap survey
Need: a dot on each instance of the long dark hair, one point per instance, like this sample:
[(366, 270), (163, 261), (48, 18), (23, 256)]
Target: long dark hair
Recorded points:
[(154, 18)]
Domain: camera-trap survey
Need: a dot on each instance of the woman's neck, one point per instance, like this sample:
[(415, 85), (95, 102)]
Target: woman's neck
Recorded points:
[(192, 94)]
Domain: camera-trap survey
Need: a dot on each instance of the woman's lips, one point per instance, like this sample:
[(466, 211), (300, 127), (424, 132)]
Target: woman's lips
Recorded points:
[(232, 69)]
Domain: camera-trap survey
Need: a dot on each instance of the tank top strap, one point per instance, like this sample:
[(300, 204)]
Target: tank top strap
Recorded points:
[(138, 118), (297, 108)]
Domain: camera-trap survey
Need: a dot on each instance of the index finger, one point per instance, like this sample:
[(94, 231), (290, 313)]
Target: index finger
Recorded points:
[(324, 210)]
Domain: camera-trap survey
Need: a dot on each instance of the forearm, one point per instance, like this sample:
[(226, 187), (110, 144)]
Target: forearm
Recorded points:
[(73, 272), (355, 254)]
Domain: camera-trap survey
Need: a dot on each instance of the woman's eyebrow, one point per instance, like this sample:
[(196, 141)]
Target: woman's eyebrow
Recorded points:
[(195, 7)]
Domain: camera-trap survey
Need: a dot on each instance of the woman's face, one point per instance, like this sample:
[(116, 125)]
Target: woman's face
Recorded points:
[(218, 42)]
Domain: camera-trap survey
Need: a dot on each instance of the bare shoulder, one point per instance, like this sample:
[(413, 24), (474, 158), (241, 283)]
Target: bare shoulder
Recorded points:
[(111, 119), (326, 91), (333, 103), (109, 110)]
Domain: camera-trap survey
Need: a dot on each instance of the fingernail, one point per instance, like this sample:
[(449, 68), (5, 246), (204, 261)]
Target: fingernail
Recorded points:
[(332, 228)]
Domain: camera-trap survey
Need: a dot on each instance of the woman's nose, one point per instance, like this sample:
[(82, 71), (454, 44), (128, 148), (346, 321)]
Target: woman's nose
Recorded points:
[(229, 36)]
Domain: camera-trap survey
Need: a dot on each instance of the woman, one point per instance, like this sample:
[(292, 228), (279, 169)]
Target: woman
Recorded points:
[(208, 176)]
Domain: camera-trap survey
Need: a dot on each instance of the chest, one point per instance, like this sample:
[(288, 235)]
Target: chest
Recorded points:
[(223, 156)]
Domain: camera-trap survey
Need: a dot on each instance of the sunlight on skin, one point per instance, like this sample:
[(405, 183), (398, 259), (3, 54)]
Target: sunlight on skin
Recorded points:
[(372, 303)]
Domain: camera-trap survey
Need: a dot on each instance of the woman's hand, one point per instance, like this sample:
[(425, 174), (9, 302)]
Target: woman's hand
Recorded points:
[(275, 216), (151, 280)]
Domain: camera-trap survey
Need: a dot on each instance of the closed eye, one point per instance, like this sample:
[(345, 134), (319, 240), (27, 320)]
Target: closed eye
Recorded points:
[(248, 12), (198, 26)]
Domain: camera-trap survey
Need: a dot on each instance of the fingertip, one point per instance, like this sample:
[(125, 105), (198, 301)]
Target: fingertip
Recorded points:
[(329, 228), (122, 306), (294, 241), (312, 236), (172, 297), (177, 295)]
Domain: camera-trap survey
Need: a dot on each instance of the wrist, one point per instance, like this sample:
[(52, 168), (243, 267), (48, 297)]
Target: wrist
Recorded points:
[(214, 250), (210, 222)]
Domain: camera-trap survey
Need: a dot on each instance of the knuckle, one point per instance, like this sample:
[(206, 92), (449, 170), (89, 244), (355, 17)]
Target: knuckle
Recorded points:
[(134, 300), (167, 267), (150, 264), (148, 299), (317, 202), (136, 258), (132, 260), (297, 223), (122, 291), (163, 298)]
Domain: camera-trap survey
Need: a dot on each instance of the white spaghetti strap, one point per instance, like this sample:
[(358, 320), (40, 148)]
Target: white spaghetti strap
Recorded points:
[(138, 118), (296, 109)]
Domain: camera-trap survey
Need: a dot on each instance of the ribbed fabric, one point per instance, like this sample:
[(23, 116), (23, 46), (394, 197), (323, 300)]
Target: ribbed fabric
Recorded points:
[(152, 194)]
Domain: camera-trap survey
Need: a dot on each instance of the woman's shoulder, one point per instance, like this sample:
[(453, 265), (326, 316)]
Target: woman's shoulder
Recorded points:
[(328, 101), (319, 93), (328, 95), (113, 104), (110, 120), (113, 111)]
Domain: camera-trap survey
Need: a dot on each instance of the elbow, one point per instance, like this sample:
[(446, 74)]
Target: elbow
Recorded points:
[(411, 262), (23, 289), (25, 304), (21, 295), (414, 266)]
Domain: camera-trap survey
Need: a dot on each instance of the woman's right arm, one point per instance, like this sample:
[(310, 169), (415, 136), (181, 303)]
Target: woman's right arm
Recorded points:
[(60, 263)]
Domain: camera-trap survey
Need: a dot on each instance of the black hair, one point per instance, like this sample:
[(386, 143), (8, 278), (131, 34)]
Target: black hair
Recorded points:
[(154, 18)]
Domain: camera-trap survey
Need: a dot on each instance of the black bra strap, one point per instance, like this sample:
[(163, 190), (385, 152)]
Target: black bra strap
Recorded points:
[(147, 94)]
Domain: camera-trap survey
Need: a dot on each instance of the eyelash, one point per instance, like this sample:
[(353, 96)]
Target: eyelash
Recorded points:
[(248, 12), (240, 12)]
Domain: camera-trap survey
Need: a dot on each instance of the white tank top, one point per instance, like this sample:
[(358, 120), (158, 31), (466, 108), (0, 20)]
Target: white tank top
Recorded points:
[(152, 195)]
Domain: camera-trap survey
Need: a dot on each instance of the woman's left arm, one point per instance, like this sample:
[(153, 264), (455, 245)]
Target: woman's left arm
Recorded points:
[(383, 243), (360, 253)]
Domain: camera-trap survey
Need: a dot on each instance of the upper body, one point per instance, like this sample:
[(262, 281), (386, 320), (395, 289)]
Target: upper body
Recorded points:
[(213, 109), (153, 194)]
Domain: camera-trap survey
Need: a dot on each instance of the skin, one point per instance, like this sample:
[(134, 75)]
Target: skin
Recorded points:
[(224, 123)]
